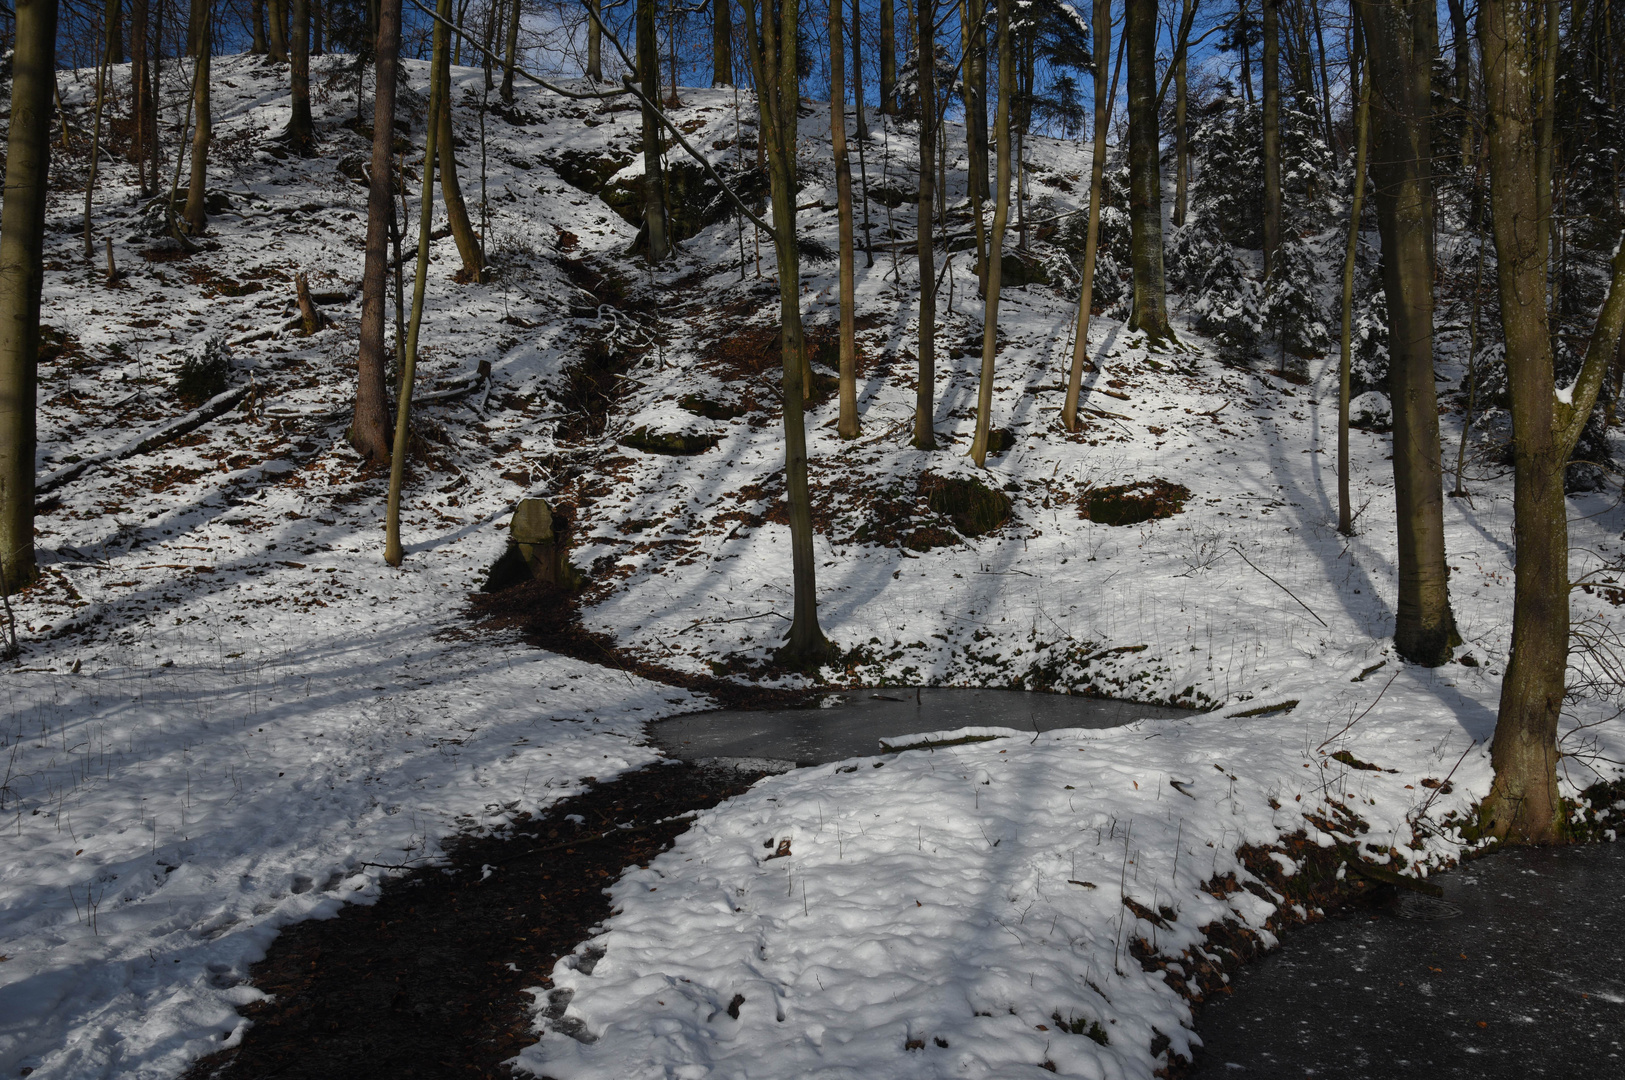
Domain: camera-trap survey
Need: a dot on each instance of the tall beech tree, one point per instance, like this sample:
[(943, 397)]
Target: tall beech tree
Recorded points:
[(656, 246), (369, 430), (722, 34), (773, 59), (888, 56), (197, 186), (301, 133), (995, 247), (925, 389), (511, 51), (1399, 53), (847, 423), (1272, 133), (276, 12), (1345, 367), (22, 276), (1097, 188), (1523, 805), (143, 122), (1150, 311)]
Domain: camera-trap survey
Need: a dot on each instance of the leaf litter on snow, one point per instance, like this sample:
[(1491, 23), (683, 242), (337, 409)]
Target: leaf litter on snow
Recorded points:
[(230, 714)]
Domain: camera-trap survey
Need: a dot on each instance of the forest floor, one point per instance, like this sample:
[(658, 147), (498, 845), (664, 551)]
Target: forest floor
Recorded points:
[(230, 716)]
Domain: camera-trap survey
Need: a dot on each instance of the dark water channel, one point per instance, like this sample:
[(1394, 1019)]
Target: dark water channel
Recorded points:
[(852, 723), (1518, 972)]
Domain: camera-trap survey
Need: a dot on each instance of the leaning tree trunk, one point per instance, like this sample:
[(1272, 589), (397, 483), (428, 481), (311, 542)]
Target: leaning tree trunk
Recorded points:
[(847, 423), (462, 229), (1150, 312), (995, 246), (196, 215), (774, 61), (1091, 244), (722, 34), (511, 60), (888, 57), (1272, 134), (1362, 121), (22, 244), (277, 18), (1523, 804), (656, 242), (394, 552), (1401, 155), (925, 389), (369, 431), (301, 128)]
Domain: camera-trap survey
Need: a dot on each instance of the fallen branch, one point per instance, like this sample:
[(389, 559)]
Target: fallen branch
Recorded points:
[(1278, 585), (209, 410)]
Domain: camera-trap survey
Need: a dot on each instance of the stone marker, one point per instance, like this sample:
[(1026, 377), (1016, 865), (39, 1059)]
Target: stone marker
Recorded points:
[(531, 531)]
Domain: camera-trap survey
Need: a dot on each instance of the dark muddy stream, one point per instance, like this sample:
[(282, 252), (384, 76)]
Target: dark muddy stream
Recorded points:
[(1519, 971)]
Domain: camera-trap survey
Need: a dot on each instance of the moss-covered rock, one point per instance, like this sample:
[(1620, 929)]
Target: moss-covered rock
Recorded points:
[(671, 443), (1130, 504), (711, 410), (972, 506)]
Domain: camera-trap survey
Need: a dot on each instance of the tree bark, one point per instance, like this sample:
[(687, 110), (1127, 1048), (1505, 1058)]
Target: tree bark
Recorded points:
[(974, 45), (1272, 134), (925, 389), (451, 190), (1150, 312), (22, 244), (1362, 118), (722, 35), (995, 247), (857, 98), (1396, 42), (1097, 187), (888, 57), (595, 44), (1462, 76), (847, 423), (774, 61), (369, 430), (301, 133), (141, 111), (256, 19), (113, 16), (1181, 141), (196, 214), (656, 244), (512, 57), (96, 135), (276, 17), (438, 92), (1523, 804)]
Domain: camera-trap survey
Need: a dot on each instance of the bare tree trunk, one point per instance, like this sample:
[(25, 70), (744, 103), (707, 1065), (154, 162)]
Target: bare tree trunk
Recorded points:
[(96, 136), (973, 34), (196, 214), (774, 60), (1272, 134), (369, 430), (1362, 117), (1396, 41), (888, 57), (1523, 804), (847, 424), (1546, 119), (276, 16), (1097, 187), (113, 14), (595, 43), (1181, 140), (141, 110), (1462, 76), (1001, 217), (438, 91), (1242, 21), (657, 246), (857, 99), (22, 244), (512, 57), (722, 34), (469, 243), (925, 390), (1150, 313), (301, 134)]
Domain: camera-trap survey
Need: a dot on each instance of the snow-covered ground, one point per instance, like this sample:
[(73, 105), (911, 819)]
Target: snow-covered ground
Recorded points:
[(230, 714)]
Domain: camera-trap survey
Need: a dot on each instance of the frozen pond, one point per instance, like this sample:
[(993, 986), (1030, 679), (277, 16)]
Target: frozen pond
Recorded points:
[(1518, 972), (852, 723)]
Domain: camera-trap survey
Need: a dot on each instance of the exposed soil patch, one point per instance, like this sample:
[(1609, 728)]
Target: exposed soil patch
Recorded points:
[(431, 980), (1130, 504)]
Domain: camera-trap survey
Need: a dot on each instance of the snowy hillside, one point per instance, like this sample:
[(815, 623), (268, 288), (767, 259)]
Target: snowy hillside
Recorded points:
[(230, 714)]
